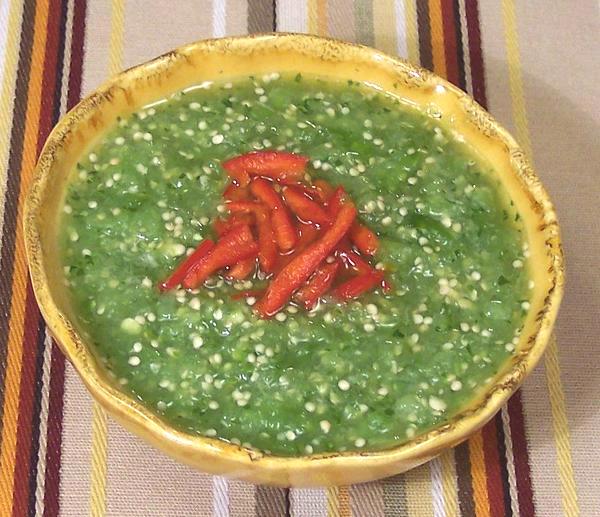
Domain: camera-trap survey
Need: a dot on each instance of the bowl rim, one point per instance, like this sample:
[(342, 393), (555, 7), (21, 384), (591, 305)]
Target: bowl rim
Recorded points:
[(199, 450)]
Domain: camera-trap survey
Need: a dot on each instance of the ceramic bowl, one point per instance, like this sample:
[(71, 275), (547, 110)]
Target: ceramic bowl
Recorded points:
[(232, 57)]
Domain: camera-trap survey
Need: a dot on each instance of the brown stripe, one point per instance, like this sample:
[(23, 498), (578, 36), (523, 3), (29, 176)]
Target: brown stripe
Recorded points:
[(450, 41), (271, 502), (464, 480), (13, 181), (363, 12), (424, 34), (261, 16), (475, 52), (493, 470), (521, 456), (25, 469), (57, 371)]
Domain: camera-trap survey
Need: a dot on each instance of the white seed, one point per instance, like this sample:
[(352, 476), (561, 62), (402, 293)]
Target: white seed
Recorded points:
[(218, 139), (369, 327), (325, 426), (290, 435), (310, 407), (456, 386), (344, 385), (197, 342), (360, 442), (437, 404), (134, 360), (213, 404)]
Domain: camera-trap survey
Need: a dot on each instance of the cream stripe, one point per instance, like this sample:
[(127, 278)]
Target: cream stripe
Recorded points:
[(67, 57), (219, 15), (510, 463), (292, 15), (4, 19), (412, 40), (308, 502), (401, 29), (41, 463), (220, 497), (465, 45), (449, 487), (557, 397), (99, 423), (385, 26), (436, 488), (9, 72)]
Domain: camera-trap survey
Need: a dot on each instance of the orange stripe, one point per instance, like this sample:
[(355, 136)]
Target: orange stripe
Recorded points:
[(19, 284), (438, 53), (317, 17), (338, 502), (478, 474)]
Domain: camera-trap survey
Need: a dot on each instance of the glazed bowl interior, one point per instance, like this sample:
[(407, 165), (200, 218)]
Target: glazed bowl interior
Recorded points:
[(236, 57)]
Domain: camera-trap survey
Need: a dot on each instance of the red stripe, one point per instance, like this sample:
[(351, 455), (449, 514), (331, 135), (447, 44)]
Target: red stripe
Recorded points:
[(32, 318), (57, 373), (475, 53), (492, 468), (521, 456), (450, 44)]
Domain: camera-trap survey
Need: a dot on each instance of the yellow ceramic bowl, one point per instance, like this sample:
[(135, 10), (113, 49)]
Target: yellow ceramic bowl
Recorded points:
[(224, 58)]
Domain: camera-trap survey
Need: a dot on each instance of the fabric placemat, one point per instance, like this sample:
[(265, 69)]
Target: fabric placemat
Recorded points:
[(533, 64)]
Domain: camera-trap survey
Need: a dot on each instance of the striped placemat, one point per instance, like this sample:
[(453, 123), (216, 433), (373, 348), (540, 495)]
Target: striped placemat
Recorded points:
[(59, 454)]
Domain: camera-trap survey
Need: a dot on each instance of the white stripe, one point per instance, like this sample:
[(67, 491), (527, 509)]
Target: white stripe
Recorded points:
[(219, 16), (465, 45), (437, 491), (401, 36), (64, 91), (220, 497), (41, 462), (510, 463), (308, 502), (4, 10), (292, 16)]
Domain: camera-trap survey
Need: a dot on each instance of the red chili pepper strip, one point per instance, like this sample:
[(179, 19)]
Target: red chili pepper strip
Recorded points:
[(324, 190), (318, 285), (179, 274), (364, 239), (273, 164), (222, 226), (308, 234), (336, 200), (236, 193), (286, 235), (237, 244), (292, 276), (243, 269), (356, 286), (353, 260), (304, 207), (267, 248)]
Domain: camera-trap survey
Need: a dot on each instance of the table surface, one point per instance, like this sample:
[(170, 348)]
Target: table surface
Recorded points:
[(530, 63)]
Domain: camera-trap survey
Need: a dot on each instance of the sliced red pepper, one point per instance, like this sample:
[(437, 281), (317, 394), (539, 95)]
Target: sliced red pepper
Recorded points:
[(286, 235), (243, 269), (318, 285), (179, 274), (292, 276), (273, 164), (358, 285), (236, 245), (324, 190), (336, 200), (235, 192), (222, 226), (353, 260), (267, 253), (364, 239), (304, 207), (308, 234)]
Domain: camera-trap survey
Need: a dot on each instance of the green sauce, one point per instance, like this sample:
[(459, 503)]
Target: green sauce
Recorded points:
[(366, 375)]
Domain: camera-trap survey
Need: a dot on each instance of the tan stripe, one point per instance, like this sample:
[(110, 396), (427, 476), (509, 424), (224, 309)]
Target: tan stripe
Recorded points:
[(241, 497), (384, 25), (9, 73), (366, 499), (99, 423), (338, 501), (412, 34), (465, 45), (341, 22), (236, 17), (449, 488), (557, 398), (317, 17), (418, 491)]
